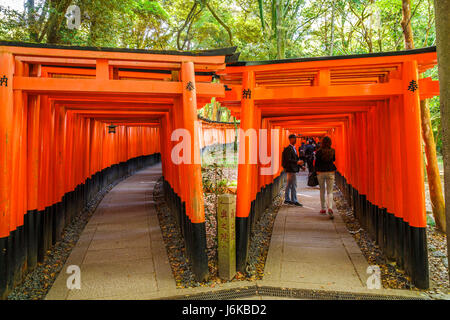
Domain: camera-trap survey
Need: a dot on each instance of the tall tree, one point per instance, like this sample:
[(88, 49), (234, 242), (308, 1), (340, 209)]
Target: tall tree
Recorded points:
[(196, 10), (333, 10), (434, 178), (442, 8), (406, 24), (55, 21)]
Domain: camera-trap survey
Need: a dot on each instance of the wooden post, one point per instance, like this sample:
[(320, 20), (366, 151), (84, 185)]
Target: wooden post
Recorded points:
[(226, 213), (6, 119), (245, 171), (194, 201), (415, 204)]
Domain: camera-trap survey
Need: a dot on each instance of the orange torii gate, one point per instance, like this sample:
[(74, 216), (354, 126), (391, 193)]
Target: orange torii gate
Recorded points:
[(369, 105), (58, 107), (56, 152)]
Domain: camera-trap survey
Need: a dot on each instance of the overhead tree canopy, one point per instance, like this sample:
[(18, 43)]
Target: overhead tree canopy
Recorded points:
[(261, 29)]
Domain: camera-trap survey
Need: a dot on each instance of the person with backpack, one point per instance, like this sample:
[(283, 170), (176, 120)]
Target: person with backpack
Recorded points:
[(326, 169), (291, 164)]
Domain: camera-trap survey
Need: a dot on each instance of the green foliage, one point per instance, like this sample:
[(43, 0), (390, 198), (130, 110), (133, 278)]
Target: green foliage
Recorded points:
[(261, 29), (430, 221), (435, 112)]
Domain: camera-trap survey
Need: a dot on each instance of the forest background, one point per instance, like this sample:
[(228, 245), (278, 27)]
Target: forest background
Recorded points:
[(261, 29)]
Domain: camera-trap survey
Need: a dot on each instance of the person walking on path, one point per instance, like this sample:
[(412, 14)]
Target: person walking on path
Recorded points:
[(291, 164), (325, 169), (309, 155)]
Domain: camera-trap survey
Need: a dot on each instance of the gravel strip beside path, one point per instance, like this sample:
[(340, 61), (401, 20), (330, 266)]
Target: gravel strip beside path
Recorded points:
[(38, 283)]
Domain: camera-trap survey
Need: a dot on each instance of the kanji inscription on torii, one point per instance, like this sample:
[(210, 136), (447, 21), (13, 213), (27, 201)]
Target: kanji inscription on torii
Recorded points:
[(247, 94), (4, 80), (413, 86), (190, 86)]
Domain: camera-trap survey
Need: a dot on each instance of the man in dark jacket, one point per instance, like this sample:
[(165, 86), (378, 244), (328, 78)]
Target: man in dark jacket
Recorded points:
[(291, 164)]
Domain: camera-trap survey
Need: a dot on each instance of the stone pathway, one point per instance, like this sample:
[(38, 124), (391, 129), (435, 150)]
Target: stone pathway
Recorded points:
[(310, 250), (121, 252)]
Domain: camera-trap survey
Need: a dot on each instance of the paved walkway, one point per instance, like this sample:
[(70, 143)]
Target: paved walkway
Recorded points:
[(310, 250), (121, 252), (122, 255)]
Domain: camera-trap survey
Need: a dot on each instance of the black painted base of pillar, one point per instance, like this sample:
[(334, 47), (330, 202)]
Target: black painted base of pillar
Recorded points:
[(245, 225), (398, 240), (242, 243), (4, 268), (194, 234), (420, 274), (199, 256)]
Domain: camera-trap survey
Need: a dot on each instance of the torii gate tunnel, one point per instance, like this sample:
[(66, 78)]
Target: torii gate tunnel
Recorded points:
[(58, 105)]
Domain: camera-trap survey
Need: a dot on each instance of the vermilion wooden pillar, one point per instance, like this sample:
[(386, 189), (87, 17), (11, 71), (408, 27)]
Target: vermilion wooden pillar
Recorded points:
[(344, 134), (280, 151), (370, 179), (16, 186), (177, 123), (355, 160), (415, 173), (360, 173), (6, 114), (379, 177), (256, 174), (13, 146), (60, 167), (245, 171), (389, 186), (193, 174), (397, 176), (172, 171), (33, 124), (164, 142), (364, 167)]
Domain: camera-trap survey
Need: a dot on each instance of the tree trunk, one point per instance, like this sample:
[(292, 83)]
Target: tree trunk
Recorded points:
[(56, 20), (332, 29), (220, 21), (434, 180), (279, 30), (219, 114), (31, 22), (214, 110), (442, 8), (406, 25)]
